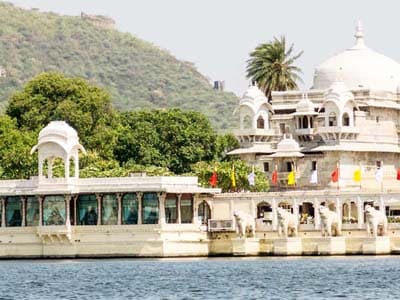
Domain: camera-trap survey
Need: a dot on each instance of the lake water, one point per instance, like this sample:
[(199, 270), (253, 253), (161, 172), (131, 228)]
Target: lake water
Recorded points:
[(365, 277)]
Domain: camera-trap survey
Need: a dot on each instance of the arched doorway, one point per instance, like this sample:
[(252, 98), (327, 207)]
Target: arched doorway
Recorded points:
[(286, 205), (204, 213), (264, 212), (307, 213), (350, 213)]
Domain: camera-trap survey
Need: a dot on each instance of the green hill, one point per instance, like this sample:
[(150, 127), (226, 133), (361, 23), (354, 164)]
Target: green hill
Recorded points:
[(137, 73)]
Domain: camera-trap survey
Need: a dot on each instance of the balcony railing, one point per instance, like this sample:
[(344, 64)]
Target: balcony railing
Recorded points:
[(338, 132)]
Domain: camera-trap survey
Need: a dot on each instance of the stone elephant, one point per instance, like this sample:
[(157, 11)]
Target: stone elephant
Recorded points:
[(287, 222), (375, 218), (244, 223), (330, 221)]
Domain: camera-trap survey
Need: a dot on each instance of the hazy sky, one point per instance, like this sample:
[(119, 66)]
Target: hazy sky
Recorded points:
[(217, 35)]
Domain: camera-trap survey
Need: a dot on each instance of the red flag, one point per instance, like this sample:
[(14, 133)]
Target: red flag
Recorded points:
[(335, 175), (398, 174), (275, 177), (213, 180)]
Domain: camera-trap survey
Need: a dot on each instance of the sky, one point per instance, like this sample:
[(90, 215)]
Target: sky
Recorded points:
[(218, 35)]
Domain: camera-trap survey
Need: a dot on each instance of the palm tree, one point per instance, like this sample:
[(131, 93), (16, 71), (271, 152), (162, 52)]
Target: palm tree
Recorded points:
[(271, 67)]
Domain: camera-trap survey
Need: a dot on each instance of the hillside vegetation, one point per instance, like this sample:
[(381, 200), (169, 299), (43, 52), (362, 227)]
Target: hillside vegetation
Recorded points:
[(137, 73)]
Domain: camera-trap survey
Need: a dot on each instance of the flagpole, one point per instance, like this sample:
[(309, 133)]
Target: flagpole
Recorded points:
[(338, 169), (382, 177)]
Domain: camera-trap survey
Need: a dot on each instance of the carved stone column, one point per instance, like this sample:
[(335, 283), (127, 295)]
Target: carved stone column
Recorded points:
[(40, 199), (360, 213), (382, 205), (119, 199), (3, 212), (161, 201), (76, 221), (139, 196), (179, 219), (296, 209), (67, 210), (23, 202), (99, 197), (338, 205), (317, 216), (274, 215)]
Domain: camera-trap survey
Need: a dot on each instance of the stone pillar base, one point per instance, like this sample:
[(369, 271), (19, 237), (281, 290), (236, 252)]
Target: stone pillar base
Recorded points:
[(288, 246), (331, 245), (378, 245), (249, 246)]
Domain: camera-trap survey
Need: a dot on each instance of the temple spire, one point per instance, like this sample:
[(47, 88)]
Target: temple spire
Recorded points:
[(359, 36)]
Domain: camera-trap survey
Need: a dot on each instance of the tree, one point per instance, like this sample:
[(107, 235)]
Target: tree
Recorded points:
[(271, 66), (53, 96), (15, 146), (166, 138), (204, 170)]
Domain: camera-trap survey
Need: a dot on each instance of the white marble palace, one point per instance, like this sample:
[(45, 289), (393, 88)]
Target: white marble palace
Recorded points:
[(349, 118)]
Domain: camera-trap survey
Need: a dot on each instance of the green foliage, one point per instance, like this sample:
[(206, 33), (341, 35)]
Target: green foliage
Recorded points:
[(53, 96), (225, 143), (15, 146), (204, 171), (271, 66), (166, 138), (137, 74)]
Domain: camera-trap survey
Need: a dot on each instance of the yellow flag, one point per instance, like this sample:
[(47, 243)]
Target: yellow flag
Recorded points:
[(233, 178), (290, 178), (357, 175)]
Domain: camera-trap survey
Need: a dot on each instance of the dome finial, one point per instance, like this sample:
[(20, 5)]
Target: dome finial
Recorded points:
[(359, 35)]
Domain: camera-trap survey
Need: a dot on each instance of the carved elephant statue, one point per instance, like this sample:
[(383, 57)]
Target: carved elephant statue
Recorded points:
[(287, 222), (330, 221), (244, 223), (375, 218)]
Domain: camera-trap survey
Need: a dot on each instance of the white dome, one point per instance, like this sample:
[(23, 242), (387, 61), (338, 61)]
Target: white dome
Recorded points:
[(59, 128), (305, 106), (358, 67), (288, 145), (254, 95)]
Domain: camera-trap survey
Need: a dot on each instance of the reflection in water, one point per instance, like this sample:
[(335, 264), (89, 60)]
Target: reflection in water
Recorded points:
[(219, 278)]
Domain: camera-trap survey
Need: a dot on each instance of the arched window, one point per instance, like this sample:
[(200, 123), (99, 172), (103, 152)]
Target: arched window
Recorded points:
[(150, 208), (186, 208), (311, 122), (130, 207), (260, 122), (32, 211), (204, 212), (171, 208), (13, 212), (87, 209), (346, 119), (54, 210), (299, 123), (109, 210), (305, 122), (247, 122), (332, 119)]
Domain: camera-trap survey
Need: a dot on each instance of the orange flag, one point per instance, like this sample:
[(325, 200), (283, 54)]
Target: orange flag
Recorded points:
[(275, 177), (214, 179)]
